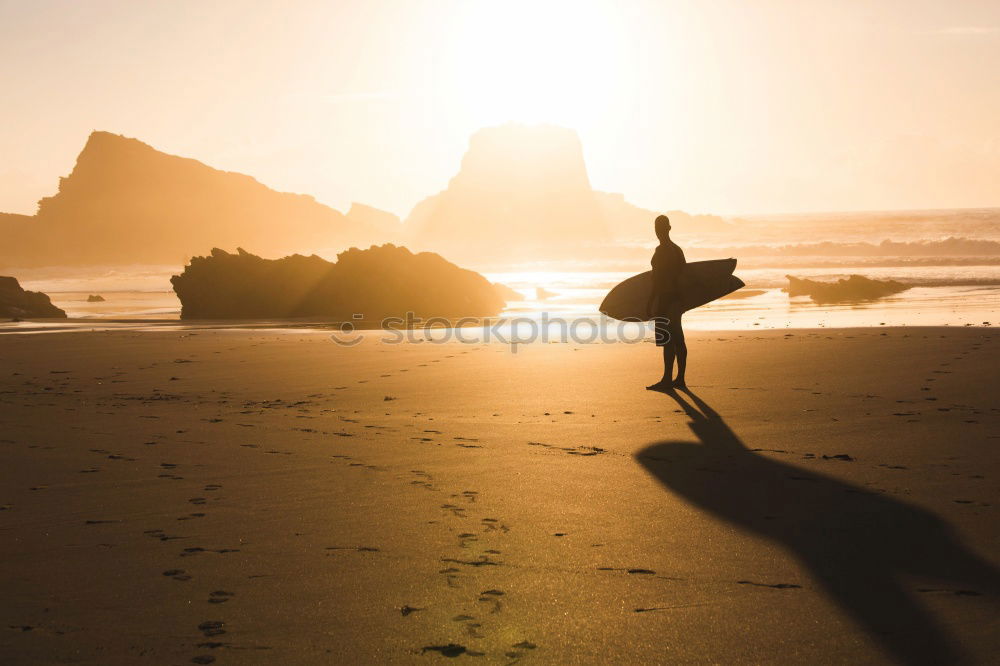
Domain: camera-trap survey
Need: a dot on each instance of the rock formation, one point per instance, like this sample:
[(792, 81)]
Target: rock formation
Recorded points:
[(15, 302), (127, 203), (854, 288), (522, 191), (95, 298), (380, 282)]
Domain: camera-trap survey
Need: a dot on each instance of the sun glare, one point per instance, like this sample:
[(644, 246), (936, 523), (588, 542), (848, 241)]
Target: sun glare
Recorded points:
[(533, 62)]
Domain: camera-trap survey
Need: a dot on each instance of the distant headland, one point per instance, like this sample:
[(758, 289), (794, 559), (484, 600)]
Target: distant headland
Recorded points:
[(521, 192)]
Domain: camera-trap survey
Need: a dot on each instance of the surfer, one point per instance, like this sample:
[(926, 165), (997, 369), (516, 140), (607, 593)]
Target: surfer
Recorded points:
[(663, 306)]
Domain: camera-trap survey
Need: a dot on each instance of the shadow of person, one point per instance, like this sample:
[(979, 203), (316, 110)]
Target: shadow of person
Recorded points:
[(859, 545)]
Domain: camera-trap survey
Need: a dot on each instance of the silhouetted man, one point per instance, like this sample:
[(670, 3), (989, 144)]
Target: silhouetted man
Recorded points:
[(664, 306)]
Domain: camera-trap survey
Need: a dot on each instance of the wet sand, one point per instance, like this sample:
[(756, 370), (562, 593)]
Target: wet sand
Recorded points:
[(174, 497)]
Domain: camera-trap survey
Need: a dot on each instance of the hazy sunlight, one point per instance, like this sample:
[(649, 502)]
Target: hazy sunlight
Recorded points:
[(525, 61)]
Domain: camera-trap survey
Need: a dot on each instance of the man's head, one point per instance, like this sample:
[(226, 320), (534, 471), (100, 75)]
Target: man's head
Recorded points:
[(662, 227)]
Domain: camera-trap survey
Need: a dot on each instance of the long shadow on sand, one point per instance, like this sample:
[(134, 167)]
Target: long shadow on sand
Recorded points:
[(858, 544)]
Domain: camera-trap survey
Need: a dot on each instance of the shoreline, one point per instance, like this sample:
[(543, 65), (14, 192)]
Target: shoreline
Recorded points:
[(101, 324)]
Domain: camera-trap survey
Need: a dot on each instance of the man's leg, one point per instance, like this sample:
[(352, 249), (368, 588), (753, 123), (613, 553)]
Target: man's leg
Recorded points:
[(669, 352), (662, 334), (680, 349)]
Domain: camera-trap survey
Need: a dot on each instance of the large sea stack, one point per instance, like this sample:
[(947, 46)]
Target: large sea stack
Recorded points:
[(380, 282), (519, 189)]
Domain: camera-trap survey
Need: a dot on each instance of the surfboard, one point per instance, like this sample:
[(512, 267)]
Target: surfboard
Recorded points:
[(700, 282)]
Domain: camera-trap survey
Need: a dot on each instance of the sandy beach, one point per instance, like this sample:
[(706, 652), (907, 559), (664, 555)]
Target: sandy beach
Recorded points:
[(214, 496)]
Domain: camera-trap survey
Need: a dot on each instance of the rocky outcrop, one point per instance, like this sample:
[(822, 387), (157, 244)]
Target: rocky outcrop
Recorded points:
[(521, 191), (15, 302), (95, 298), (380, 282), (126, 202), (854, 288)]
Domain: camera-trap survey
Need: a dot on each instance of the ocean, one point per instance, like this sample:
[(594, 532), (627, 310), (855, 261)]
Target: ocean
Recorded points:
[(946, 288)]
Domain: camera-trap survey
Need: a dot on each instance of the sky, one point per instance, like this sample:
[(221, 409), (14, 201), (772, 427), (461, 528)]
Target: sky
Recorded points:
[(712, 106)]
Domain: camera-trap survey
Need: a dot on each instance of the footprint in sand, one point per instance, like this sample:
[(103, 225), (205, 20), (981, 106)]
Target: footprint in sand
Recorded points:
[(492, 524), (491, 597), (961, 593), (177, 574), (187, 552), (450, 650), (646, 572), (455, 510), (483, 561), (776, 586), (212, 628), (161, 535), (450, 575)]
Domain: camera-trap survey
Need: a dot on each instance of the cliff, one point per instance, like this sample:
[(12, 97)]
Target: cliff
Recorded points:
[(521, 193), (15, 302), (521, 190), (380, 282), (127, 203)]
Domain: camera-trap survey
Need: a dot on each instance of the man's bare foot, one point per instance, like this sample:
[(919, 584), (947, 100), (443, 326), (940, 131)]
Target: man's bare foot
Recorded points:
[(679, 383), (662, 385)]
